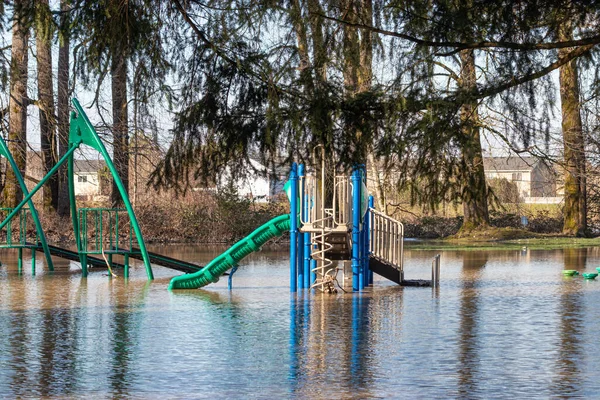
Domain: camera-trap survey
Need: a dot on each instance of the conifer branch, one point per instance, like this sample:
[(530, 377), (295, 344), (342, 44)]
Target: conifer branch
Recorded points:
[(493, 90), (592, 40)]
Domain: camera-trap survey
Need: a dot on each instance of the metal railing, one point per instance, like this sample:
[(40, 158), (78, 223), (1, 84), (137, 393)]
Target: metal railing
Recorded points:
[(318, 216), (105, 230), (386, 239), (17, 228), (342, 200)]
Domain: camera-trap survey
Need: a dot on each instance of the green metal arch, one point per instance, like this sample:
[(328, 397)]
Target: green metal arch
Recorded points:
[(38, 226), (81, 131)]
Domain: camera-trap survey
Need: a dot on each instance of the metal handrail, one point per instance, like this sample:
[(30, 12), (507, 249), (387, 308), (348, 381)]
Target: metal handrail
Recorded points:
[(342, 202), (22, 219), (337, 216), (386, 239), (101, 228)]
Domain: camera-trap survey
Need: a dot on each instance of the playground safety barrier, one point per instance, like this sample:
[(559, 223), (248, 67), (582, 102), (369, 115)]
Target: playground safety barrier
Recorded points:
[(386, 239)]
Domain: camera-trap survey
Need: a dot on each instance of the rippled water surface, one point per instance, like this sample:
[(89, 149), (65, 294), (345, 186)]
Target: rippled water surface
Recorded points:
[(503, 324)]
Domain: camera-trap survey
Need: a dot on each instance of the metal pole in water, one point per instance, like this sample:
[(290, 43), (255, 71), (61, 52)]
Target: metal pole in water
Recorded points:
[(307, 242), (32, 261), (355, 229), (361, 257), (126, 266), (293, 227), (20, 260), (300, 262), (435, 271)]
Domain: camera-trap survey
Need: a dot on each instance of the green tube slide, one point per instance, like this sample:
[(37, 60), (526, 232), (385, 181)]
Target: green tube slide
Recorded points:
[(211, 272)]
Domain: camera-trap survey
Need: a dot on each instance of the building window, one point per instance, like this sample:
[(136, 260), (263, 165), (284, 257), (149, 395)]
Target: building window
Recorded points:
[(517, 176), (82, 178)]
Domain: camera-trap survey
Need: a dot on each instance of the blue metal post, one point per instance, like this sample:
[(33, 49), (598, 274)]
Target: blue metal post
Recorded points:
[(306, 252), (313, 275), (230, 280), (364, 252), (293, 227), (356, 180), (369, 238), (361, 257), (300, 262), (306, 264)]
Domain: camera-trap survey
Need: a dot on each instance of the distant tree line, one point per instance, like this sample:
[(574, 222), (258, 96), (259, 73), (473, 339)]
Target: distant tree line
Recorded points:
[(414, 84)]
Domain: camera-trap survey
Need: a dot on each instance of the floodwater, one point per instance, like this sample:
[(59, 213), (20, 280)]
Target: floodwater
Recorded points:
[(503, 324)]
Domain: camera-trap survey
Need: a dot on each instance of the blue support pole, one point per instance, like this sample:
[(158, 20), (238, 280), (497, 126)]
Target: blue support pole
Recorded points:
[(306, 264), (365, 247), (230, 280), (361, 258), (293, 227), (369, 238), (356, 180), (300, 262), (363, 254), (306, 240), (313, 275)]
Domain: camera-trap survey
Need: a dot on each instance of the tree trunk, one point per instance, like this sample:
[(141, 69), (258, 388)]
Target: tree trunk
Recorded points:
[(302, 39), (365, 81), (319, 51), (17, 123), (575, 208), (352, 56), (43, 32), (474, 187), (63, 107), (120, 125)]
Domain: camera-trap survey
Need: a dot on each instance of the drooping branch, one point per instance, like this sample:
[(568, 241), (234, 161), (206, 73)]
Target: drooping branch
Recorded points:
[(492, 90), (592, 40)]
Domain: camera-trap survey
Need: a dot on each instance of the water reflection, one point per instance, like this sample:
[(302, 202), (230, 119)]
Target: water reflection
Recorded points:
[(567, 381), (18, 338), (127, 314), (58, 327), (333, 340), (55, 344), (503, 324), (472, 266)]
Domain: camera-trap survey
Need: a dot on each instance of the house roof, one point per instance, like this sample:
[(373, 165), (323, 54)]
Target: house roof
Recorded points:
[(510, 163), (88, 166)]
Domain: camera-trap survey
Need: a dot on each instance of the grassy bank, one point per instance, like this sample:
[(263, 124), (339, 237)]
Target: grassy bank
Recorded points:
[(537, 243)]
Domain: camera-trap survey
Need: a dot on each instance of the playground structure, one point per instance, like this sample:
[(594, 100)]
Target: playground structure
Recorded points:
[(329, 224), (337, 230)]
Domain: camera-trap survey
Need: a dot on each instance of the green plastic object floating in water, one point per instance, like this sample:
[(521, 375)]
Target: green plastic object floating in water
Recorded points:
[(590, 275), (570, 272), (598, 269)]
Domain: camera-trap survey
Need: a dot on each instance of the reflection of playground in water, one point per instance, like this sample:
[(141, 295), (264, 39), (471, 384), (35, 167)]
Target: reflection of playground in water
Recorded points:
[(48, 342), (332, 340)]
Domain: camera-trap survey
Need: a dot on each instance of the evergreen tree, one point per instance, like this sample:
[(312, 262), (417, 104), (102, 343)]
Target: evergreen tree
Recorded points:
[(62, 104), (44, 29), (19, 100), (575, 207), (118, 32)]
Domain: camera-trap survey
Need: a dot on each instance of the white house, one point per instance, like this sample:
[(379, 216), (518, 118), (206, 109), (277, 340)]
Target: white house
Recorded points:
[(535, 179), (263, 186), (87, 177)]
